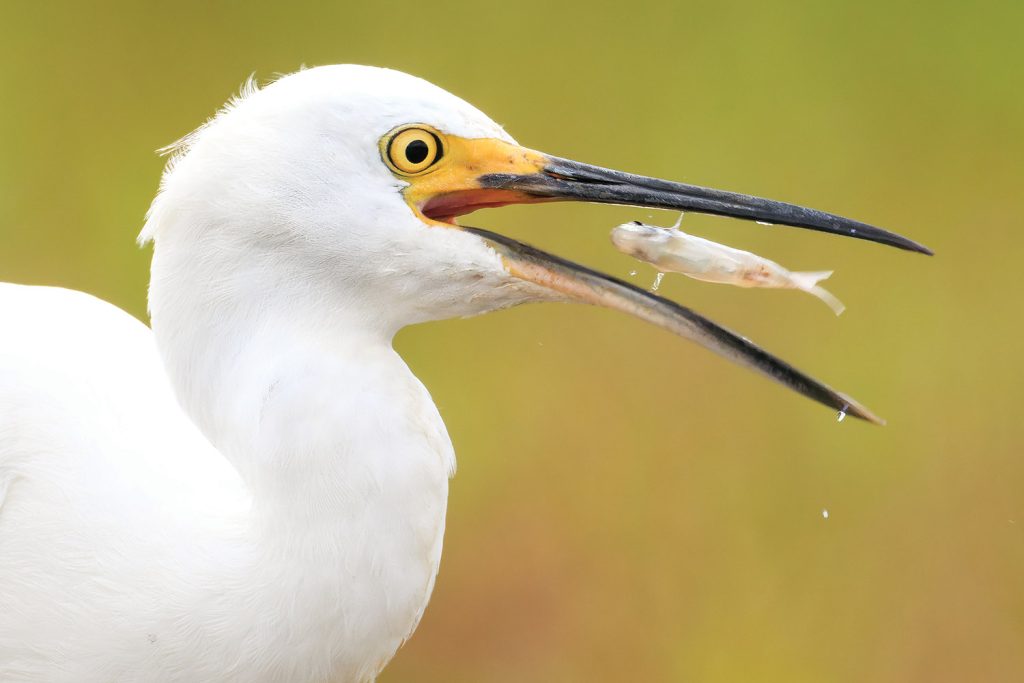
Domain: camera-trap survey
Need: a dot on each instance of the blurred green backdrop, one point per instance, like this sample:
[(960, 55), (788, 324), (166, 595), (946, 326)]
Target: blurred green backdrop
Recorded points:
[(629, 507)]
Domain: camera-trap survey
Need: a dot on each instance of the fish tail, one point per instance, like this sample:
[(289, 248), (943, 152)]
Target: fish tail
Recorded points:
[(807, 280), (835, 304)]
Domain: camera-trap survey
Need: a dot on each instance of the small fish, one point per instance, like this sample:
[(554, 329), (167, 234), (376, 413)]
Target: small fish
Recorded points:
[(670, 249)]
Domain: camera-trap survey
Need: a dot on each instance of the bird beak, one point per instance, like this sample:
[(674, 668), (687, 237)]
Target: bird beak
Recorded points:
[(483, 173), (571, 180)]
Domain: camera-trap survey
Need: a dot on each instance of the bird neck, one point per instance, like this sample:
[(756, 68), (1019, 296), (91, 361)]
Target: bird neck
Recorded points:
[(343, 453), (300, 389)]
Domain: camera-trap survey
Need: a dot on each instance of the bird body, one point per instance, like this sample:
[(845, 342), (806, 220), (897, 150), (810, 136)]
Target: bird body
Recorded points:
[(254, 489), (130, 549)]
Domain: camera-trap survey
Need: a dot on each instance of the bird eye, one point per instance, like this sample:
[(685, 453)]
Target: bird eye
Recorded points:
[(411, 151)]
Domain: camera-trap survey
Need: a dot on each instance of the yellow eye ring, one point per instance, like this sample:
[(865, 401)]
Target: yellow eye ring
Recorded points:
[(413, 150)]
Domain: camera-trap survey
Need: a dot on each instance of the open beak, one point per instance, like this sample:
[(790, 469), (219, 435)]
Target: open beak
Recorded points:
[(481, 173)]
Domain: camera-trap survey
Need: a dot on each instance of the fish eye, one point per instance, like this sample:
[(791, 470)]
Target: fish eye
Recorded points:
[(413, 150)]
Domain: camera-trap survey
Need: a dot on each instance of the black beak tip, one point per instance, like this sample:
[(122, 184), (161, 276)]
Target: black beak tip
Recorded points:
[(921, 249), (895, 240)]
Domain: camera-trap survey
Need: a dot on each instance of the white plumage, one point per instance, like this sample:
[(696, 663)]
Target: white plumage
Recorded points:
[(295, 535)]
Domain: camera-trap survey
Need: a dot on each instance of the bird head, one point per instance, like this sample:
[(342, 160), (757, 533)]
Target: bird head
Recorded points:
[(343, 185)]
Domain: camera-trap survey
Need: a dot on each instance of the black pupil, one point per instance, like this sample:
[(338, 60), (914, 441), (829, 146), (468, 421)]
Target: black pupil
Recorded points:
[(416, 151)]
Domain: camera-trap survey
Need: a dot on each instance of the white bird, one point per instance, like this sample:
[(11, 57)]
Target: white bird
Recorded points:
[(255, 489)]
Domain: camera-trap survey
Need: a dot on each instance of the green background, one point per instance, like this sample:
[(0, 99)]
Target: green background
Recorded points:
[(628, 506)]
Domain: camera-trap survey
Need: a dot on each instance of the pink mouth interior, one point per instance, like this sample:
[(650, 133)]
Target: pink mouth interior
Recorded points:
[(444, 208)]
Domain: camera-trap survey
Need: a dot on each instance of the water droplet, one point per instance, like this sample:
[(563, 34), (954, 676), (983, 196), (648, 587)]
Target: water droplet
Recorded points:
[(657, 282), (824, 513), (765, 224), (842, 414), (632, 273)]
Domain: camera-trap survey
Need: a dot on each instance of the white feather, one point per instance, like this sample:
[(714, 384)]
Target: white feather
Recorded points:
[(256, 489)]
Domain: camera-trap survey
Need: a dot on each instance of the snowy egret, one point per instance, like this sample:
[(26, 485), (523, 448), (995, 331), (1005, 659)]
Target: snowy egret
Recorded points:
[(255, 490)]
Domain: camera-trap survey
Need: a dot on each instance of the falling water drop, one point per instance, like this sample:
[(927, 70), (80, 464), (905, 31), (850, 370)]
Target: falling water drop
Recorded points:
[(657, 282), (842, 414), (824, 513)]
